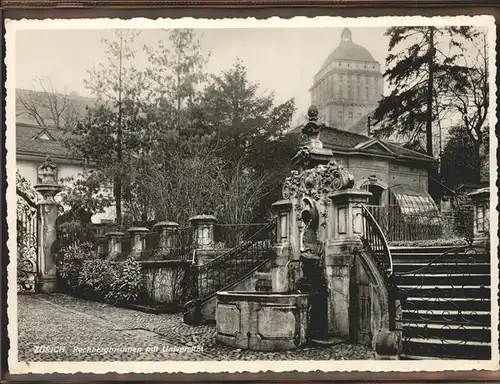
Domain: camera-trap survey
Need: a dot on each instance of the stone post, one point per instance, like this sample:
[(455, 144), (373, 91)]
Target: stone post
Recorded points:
[(137, 241), (101, 244), (279, 273), (481, 199), (48, 211), (204, 231), (167, 230), (343, 237), (114, 244)]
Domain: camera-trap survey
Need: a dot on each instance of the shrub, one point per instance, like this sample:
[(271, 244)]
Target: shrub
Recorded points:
[(126, 283), (96, 278), (84, 273), (70, 263)]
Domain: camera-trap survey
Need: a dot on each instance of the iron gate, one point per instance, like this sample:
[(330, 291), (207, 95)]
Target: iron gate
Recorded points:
[(27, 243), (445, 306)]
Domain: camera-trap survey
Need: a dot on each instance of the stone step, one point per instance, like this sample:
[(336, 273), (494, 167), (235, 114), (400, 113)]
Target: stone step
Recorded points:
[(446, 318), (453, 333), (447, 349), (457, 280), (446, 292), (437, 268), (450, 304), (471, 258)]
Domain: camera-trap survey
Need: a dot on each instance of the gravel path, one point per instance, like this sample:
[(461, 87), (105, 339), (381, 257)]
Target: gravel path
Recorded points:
[(63, 328)]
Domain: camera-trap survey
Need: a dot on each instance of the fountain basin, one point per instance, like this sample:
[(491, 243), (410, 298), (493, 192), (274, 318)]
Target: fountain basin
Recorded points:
[(267, 321)]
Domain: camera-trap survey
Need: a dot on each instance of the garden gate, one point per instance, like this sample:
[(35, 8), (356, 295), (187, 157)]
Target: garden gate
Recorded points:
[(27, 243)]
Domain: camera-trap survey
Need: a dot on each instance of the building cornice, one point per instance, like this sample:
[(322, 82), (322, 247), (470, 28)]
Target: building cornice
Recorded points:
[(395, 157), (26, 155)]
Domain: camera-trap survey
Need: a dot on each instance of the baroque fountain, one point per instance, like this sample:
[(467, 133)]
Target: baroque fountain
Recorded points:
[(327, 283)]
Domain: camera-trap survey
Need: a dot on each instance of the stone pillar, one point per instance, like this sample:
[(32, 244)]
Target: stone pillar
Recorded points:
[(47, 231), (167, 230), (137, 241), (481, 199), (345, 228), (114, 244), (279, 272), (204, 231), (101, 245)]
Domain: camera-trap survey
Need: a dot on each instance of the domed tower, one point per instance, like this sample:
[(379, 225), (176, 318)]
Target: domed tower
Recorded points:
[(348, 86)]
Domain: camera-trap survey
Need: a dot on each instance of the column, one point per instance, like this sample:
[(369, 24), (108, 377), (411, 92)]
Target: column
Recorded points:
[(101, 245), (168, 231), (47, 233), (114, 244), (137, 241), (345, 228), (279, 275), (204, 230)]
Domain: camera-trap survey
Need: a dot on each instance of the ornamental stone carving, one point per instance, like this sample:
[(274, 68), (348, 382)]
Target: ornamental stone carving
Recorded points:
[(317, 181), (47, 172)]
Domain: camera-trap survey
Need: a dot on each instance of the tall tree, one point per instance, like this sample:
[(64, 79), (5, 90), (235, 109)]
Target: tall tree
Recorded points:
[(460, 161), (112, 130), (469, 96), (251, 134), (46, 106), (234, 109), (421, 62), (177, 66)]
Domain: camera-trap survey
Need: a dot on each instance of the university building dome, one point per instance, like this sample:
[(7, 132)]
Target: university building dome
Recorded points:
[(348, 86)]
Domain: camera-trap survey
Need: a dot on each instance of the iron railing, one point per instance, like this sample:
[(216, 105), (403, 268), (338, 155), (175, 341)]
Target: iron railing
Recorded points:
[(235, 263), (27, 244), (373, 238), (181, 247), (445, 307), (413, 226), (227, 236)]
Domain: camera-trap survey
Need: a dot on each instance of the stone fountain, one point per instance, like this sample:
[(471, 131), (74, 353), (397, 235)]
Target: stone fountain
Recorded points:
[(325, 285)]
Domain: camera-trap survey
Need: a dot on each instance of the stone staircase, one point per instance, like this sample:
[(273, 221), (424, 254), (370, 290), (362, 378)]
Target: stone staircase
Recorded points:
[(445, 301)]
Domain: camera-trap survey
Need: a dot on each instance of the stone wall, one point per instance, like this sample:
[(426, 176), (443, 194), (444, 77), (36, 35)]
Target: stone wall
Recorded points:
[(166, 282)]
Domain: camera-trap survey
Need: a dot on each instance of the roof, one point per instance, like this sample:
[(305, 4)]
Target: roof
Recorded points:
[(78, 103), (29, 141), (349, 51), (349, 142), (361, 126)]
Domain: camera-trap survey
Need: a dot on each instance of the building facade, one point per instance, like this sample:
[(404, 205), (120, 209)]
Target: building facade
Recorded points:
[(348, 86)]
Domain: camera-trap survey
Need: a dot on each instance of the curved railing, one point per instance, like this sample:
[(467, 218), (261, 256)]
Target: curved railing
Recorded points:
[(374, 239), (232, 265)]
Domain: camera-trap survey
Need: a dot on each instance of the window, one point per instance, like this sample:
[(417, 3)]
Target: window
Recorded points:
[(350, 118)]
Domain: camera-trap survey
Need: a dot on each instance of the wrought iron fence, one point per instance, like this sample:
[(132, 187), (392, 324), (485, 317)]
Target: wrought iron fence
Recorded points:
[(180, 247), (374, 239), (227, 268), (398, 225), (27, 245), (230, 235)]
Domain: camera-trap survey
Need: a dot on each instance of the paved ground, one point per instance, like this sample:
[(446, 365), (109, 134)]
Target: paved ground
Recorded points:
[(63, 328)]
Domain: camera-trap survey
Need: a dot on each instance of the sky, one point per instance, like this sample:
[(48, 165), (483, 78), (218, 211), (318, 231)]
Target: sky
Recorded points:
[(281, 60)]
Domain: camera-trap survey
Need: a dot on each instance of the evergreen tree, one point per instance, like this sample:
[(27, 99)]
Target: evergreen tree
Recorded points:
[(114, 128), (421, 62), (460, 161)]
